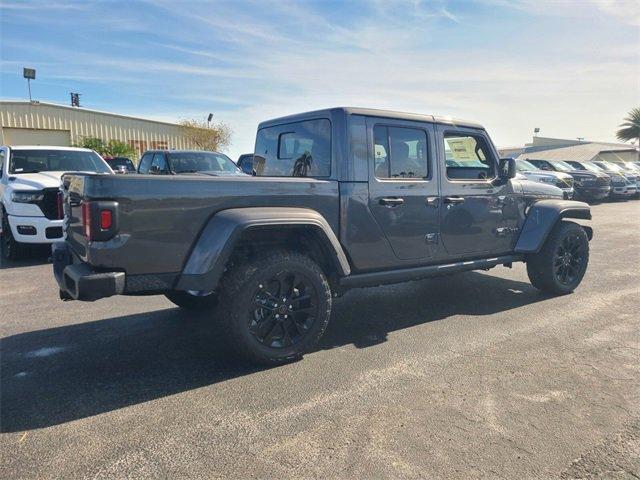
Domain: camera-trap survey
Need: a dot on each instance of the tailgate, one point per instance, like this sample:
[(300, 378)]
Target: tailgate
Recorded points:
[(73, 193)]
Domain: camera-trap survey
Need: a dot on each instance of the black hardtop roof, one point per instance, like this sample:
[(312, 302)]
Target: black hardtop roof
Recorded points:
[(370, 112)]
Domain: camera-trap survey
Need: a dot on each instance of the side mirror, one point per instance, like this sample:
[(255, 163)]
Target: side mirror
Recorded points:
[(507, 168), (155, 170)]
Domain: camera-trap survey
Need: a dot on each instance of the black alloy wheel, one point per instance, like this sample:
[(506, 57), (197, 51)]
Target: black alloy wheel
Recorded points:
[(569, 257), (283, 310), (275, 307)]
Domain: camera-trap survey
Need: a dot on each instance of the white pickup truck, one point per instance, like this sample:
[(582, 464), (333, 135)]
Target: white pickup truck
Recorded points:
[(29, 192)]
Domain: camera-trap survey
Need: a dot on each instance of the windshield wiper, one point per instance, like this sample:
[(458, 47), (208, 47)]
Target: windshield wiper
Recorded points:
[(27, 171)]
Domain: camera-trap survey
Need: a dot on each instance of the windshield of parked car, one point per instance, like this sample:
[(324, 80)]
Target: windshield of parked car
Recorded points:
[(191, 162), (563, 166), (41, 160), (592, 168), (118, 162), (524, 166), (611, 167)]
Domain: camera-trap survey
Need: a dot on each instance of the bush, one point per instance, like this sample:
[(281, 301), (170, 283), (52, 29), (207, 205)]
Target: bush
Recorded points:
[(112, 148)]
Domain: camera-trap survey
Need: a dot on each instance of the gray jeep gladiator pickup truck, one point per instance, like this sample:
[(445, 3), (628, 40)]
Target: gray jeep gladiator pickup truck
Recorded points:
[(341, 198)]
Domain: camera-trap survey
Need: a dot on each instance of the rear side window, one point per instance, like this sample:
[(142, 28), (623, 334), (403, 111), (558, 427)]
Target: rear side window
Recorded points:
[(400, 153), (468, 157), (301, 149)]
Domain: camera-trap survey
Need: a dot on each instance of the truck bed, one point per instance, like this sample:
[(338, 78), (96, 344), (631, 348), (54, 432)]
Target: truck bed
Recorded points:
[(160, 217)]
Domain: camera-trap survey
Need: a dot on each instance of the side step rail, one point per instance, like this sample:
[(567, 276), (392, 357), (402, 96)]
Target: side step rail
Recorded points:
[(417, 273)]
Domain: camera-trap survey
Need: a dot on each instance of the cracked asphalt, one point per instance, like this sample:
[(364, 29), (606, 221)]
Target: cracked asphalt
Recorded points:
[(470, 376)]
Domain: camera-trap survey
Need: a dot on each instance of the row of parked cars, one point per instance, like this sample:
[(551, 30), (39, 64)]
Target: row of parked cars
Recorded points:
[(30, 179), (589, 181)]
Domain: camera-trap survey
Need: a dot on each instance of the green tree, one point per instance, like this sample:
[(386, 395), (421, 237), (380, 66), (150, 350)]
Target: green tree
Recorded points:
[(116, 148), (112, 148), (205, 136), (630, 127)]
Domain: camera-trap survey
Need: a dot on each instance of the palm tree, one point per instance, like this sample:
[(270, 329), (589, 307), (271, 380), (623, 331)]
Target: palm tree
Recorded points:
[(630, 127)]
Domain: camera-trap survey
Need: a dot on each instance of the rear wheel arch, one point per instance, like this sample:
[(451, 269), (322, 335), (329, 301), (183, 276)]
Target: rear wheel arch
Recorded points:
[(232, 236)]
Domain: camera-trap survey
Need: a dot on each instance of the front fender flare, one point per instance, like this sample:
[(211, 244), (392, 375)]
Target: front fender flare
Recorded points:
[(542, 217), (214, 247)]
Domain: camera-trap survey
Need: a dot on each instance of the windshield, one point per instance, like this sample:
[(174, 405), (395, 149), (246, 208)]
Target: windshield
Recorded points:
[(611, 166), (524, 166), (34, 161), (592, 168), (563, 166), (189, 162), (118, 162)]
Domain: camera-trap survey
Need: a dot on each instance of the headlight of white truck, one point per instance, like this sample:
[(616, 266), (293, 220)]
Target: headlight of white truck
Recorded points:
[(27, 197)]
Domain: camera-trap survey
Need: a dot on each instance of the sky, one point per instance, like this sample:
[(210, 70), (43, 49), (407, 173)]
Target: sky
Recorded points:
[(569, 67)]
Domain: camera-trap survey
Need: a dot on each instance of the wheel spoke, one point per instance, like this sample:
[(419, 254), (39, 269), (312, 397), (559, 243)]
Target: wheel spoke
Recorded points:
[(267, 338), (264, 326), (286, 338)]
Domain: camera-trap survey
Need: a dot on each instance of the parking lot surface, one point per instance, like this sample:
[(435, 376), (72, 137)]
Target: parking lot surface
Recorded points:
[(476, 375)]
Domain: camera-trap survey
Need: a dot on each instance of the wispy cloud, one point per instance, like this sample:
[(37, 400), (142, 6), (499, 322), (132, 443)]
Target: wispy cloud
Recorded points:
[(510, 65)]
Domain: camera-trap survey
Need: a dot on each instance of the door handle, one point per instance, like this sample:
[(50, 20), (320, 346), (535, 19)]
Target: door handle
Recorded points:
[(453, 200), (391, 201)]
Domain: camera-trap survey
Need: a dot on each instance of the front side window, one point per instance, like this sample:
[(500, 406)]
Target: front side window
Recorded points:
[(400, 153), (34, 161), (467, 157), (301, 149), (145, 163), (191, 162), (158, 164)]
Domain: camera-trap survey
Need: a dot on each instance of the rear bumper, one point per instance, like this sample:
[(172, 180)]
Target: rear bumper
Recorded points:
[(78, 281)]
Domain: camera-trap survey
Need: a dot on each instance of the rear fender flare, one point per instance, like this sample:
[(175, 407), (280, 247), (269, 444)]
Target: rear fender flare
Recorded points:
[(211, 252), (543, 216)]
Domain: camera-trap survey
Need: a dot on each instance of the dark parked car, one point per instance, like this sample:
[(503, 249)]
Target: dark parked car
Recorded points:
[(343, 198), (245, 162), (174, 162), (121, 164), (587, 184)]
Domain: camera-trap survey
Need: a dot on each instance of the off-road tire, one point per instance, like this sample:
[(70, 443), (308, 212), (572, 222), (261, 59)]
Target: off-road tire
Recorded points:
[(542, 267), (10, 248), (238, 296), (192, 302)]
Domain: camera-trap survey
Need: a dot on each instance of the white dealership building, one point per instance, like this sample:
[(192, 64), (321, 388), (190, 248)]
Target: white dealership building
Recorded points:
[(40, 123)]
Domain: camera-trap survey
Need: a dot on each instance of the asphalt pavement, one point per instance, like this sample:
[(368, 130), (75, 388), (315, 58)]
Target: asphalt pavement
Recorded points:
[(476, 375)]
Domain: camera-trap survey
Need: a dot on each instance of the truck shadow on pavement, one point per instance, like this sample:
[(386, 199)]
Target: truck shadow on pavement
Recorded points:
[(57, 375)]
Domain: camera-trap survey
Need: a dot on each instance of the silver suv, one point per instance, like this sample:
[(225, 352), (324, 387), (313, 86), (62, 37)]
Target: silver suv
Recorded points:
[(563, 181)]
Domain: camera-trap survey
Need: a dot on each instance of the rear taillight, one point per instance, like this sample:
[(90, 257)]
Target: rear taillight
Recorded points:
[(106, 219), (59, 206), (86, 220), (99, 220)]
